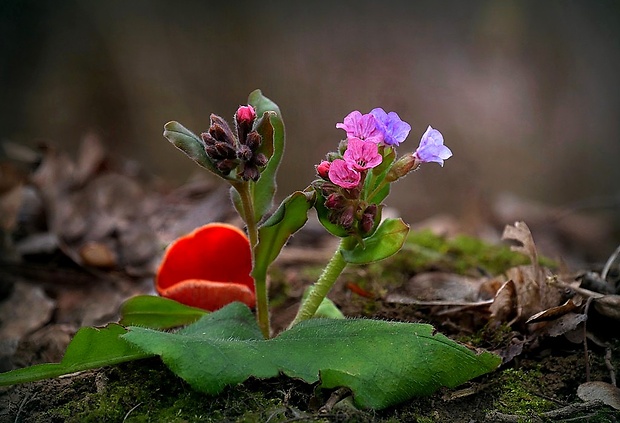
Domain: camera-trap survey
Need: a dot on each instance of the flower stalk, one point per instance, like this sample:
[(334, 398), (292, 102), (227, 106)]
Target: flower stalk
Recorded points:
[(351, 184), (326, 281)]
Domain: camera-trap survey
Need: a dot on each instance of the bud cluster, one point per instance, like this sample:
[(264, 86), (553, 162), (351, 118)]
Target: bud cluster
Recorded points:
[(344, 202), (351, 181), (229, 151)]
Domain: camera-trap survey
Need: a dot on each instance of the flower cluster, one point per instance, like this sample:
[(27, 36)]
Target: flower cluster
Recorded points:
[(229, 151), (351, 179)]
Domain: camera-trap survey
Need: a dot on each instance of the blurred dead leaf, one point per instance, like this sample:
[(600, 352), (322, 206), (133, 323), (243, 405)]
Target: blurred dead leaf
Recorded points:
[(608, 306), (439, 287), (600, 391), (526, 291), (96, 213)]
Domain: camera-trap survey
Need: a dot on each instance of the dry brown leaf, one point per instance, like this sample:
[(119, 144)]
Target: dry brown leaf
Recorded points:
[(505, 304), (608, 306), (600, 391), (565, 324), (556, 312), (88, 205), (532, 294)]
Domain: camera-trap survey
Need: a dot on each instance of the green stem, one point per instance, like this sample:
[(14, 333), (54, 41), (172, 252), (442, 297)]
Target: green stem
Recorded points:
[(376, 191), (260, 285), (321, 288)]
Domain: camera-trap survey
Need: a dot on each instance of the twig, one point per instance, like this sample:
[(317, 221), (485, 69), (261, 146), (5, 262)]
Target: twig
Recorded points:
[(585, 339), (132, 409), (25, 401), (336, 396), (610, 366), (610, 261)]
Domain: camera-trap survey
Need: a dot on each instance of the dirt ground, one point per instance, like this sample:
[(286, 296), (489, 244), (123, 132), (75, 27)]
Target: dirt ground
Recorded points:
[(58, 275)]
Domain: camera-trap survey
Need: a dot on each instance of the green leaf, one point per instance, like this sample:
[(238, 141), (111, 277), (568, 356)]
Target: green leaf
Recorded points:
[(90, 348), (264, 127), (189, 143), (290, 216), (265, 187), (387, 240), (157, 312), (383, 363)]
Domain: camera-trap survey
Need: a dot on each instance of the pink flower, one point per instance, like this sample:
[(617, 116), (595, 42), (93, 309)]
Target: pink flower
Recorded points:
[(361, 126), (431, 147), (362, 155), (341, 174)]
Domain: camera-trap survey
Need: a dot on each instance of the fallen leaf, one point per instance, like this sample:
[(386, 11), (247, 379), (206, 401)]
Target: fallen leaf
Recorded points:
[(532, 293), (600, 391), (608, 306), (439, 286), (556, 312)]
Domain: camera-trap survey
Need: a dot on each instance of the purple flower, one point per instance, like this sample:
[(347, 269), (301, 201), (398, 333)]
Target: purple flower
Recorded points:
[(361, 126), (341, 174), (394, 130), (431, 148), (362, 155)]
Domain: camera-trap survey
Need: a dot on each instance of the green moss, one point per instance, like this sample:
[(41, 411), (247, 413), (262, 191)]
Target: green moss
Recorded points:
[(518, 393), (145, 391)]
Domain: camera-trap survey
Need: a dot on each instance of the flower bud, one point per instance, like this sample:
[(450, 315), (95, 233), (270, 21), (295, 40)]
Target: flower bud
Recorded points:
[(245, 114), (346, 218), (244, 153), (220, 130), (322, 169), (252, 140), (401, 167), (244, 119), (334, 201), (367, 221), (250, 171), (260, 159)]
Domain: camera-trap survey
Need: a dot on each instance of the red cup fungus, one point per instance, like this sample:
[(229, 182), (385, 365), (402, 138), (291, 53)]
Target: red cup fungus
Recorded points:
[(208, 268)]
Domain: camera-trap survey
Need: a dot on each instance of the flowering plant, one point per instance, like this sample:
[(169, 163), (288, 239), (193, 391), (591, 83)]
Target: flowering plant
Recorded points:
[(211, 278)]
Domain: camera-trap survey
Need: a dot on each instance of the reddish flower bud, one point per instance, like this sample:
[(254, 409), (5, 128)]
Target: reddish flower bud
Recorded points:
[(244, 119), (245, 114), (368, 218), (322, 169), (347, 218), (334, 201)]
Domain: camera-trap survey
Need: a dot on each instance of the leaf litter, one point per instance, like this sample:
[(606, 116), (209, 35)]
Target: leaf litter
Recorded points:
[(98, 249)]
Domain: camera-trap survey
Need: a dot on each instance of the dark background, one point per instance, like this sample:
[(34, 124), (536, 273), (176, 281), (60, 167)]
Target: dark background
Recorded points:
[(526, 93)]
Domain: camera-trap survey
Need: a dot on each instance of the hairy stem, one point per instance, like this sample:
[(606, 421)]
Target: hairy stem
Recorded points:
[(260, 285), (321, 288)]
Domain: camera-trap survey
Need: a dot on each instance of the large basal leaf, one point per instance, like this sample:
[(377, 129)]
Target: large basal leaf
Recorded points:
[(289, 217), (388, 239), (90, 348), (189, 143), (383, 363), (265, 187), (157, 312)]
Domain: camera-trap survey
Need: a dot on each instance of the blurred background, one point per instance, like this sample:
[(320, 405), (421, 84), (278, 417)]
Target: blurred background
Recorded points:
[(526, 93)]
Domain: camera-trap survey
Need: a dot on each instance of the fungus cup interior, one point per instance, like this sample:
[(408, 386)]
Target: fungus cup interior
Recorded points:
[(208, 268)]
